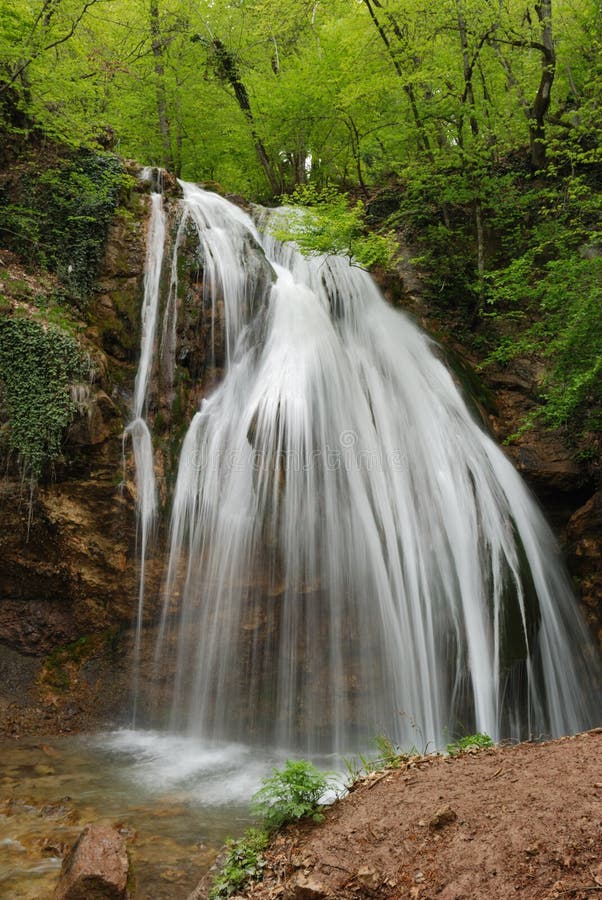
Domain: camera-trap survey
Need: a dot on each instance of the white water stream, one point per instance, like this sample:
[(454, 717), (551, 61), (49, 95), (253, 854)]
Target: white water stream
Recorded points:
[(138, 430), (350, 552)]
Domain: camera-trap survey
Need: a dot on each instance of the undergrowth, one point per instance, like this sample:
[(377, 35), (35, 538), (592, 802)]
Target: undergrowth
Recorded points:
[(478, 741), (59, 217), (287, 795), (389, 756), (244, 861), (294, 793)]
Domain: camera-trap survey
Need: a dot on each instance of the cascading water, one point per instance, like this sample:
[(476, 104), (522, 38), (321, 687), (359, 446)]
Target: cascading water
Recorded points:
[(138, 430), (350, 552)]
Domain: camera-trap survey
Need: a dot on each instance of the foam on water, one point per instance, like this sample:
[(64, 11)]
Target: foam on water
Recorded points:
[(204, 773)]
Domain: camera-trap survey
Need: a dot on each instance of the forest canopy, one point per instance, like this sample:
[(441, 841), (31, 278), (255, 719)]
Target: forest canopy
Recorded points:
[(484, 118), (260, 95)]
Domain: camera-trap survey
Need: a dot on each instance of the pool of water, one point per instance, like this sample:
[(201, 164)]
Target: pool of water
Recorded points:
[(176, 800)]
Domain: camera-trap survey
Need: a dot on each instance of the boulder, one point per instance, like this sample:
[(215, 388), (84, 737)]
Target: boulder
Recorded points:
[(96, 867)]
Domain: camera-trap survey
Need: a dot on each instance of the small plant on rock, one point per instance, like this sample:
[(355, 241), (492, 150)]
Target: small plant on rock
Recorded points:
[(390, 756), (288, 794)]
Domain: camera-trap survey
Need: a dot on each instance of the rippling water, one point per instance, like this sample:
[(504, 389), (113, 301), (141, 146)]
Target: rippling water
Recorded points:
[(177, 800)]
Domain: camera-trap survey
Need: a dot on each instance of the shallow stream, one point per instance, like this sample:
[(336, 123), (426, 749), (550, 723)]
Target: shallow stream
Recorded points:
[(175, 799)]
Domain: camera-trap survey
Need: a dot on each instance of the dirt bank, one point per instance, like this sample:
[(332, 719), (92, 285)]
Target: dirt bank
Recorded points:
[(523, 821)]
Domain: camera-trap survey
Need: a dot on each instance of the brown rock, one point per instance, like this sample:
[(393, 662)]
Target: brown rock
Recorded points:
[(368, 877), (96, 867), (307, 887), (97, 421), (444, 816)]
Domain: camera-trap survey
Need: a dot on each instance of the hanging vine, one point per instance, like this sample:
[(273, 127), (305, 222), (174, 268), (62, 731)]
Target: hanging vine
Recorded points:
[(37, 366)]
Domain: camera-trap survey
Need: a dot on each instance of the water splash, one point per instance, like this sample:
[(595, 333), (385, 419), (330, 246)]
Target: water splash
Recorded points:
[(350, 552)]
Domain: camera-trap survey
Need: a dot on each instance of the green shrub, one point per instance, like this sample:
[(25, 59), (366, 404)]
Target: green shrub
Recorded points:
[(290, 794), (323, 221), (551, 287)]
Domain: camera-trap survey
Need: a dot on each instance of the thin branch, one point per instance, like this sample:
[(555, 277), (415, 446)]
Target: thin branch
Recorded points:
[(511, 79), (6, 84), (474, 60), (525, 45)]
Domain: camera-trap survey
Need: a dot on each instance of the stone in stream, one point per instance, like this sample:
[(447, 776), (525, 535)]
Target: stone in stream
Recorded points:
[(96, 867)]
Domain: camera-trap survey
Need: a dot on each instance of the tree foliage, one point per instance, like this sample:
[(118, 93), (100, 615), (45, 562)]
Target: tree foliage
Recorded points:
[(458, 106), (324, 221)]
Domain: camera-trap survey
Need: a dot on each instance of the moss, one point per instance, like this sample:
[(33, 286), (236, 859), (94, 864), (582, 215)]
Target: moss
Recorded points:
[(57, 669), (113, 643)]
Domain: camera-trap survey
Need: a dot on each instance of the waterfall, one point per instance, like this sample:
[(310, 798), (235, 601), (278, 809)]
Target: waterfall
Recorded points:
[(350, 553), (138, 430)]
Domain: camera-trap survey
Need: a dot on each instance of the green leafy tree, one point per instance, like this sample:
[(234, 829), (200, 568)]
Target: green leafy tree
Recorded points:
[(323, 221)]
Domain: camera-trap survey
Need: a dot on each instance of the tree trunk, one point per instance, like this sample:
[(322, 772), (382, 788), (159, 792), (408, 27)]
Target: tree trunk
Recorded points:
[(159, 57), (228, 70), (423, 138), (538, 112), (478, 217), (468, 95)]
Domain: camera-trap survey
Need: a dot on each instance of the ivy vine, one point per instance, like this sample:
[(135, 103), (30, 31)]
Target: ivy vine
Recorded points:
[(37, 365), (58, 218)]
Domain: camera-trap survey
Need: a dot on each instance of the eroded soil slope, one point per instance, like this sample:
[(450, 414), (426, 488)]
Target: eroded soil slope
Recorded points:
[(523, 821)]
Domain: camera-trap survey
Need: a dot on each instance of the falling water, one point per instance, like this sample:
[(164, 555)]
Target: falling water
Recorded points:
[(137, 430), (350, 552)]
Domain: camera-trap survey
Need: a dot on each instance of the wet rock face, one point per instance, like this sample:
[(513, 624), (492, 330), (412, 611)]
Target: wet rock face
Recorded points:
[(544, 458), (584, 534), (96, 868), (563, 485), (67, 550), (72, 574)]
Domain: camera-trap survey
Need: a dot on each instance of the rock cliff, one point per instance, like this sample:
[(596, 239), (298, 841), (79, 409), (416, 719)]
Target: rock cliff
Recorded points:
[(68, 571)]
